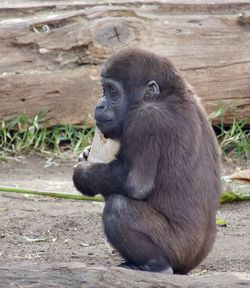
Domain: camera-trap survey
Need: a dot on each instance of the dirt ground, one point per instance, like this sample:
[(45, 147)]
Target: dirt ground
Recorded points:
[(46, 230)]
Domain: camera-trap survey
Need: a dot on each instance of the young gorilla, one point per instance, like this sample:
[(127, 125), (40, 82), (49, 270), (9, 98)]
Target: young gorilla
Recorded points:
[(163, 189)]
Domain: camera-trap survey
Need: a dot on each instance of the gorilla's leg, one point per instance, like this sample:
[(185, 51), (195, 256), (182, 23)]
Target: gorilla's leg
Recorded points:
[(130, 226)]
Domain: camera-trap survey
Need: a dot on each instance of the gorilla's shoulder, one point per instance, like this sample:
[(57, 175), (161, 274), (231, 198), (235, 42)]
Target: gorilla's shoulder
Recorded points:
[(148, 116)]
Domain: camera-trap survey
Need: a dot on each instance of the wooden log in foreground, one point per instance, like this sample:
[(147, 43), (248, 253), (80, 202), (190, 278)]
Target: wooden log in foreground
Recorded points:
[(77, 275), (51, 51)]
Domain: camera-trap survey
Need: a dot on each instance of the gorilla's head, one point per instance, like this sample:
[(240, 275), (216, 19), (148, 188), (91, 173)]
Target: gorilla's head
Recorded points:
[(128, 77)]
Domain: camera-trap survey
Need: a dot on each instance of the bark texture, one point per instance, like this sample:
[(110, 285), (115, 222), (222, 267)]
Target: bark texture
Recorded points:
[(77, 275), (52, 51)]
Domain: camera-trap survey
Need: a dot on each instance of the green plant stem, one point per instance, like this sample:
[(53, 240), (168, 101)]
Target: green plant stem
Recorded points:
[(51, 194), (226, 197)]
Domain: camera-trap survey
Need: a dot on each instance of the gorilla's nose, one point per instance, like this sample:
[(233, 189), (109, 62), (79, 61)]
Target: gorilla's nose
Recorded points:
[(101, 105)]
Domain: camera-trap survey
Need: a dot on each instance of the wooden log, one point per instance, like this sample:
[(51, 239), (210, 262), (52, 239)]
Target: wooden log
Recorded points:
[(77, 275), (52, 51)]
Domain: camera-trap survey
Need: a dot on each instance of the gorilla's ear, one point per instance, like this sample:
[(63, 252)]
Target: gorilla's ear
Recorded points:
[(153, 88)]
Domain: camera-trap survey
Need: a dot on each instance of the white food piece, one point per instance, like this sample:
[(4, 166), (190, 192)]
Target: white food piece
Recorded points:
[(103, 150)]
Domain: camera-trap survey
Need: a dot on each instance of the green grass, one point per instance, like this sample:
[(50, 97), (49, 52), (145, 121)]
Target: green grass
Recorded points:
[(25, 134), (234, 139)]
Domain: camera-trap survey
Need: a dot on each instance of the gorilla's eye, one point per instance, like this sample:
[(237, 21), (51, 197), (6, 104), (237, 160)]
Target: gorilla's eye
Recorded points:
[(113, 93), (112, 90)]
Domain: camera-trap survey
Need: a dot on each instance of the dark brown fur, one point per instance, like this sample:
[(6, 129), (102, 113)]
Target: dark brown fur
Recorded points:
[(163, 190)]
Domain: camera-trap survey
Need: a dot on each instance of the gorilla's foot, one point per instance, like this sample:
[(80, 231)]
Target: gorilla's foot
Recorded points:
[(129, 265), (151, 267), (168, 270)]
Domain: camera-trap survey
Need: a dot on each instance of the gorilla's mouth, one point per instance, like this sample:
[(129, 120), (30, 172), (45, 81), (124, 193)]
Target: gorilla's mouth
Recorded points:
[(104, 122)]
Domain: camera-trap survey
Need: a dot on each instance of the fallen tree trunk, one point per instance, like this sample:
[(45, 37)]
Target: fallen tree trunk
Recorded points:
[(52, 51), (77, 275)]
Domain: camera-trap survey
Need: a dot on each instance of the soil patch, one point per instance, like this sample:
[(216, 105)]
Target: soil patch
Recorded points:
[(46, 230)]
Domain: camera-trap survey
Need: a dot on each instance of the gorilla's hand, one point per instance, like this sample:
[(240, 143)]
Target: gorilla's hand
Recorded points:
[(82, 178), (85, 154)]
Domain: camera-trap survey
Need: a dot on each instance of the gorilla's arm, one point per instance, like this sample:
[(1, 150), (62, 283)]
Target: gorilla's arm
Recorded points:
[(140, 181), (141, 150), (99, 178)]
